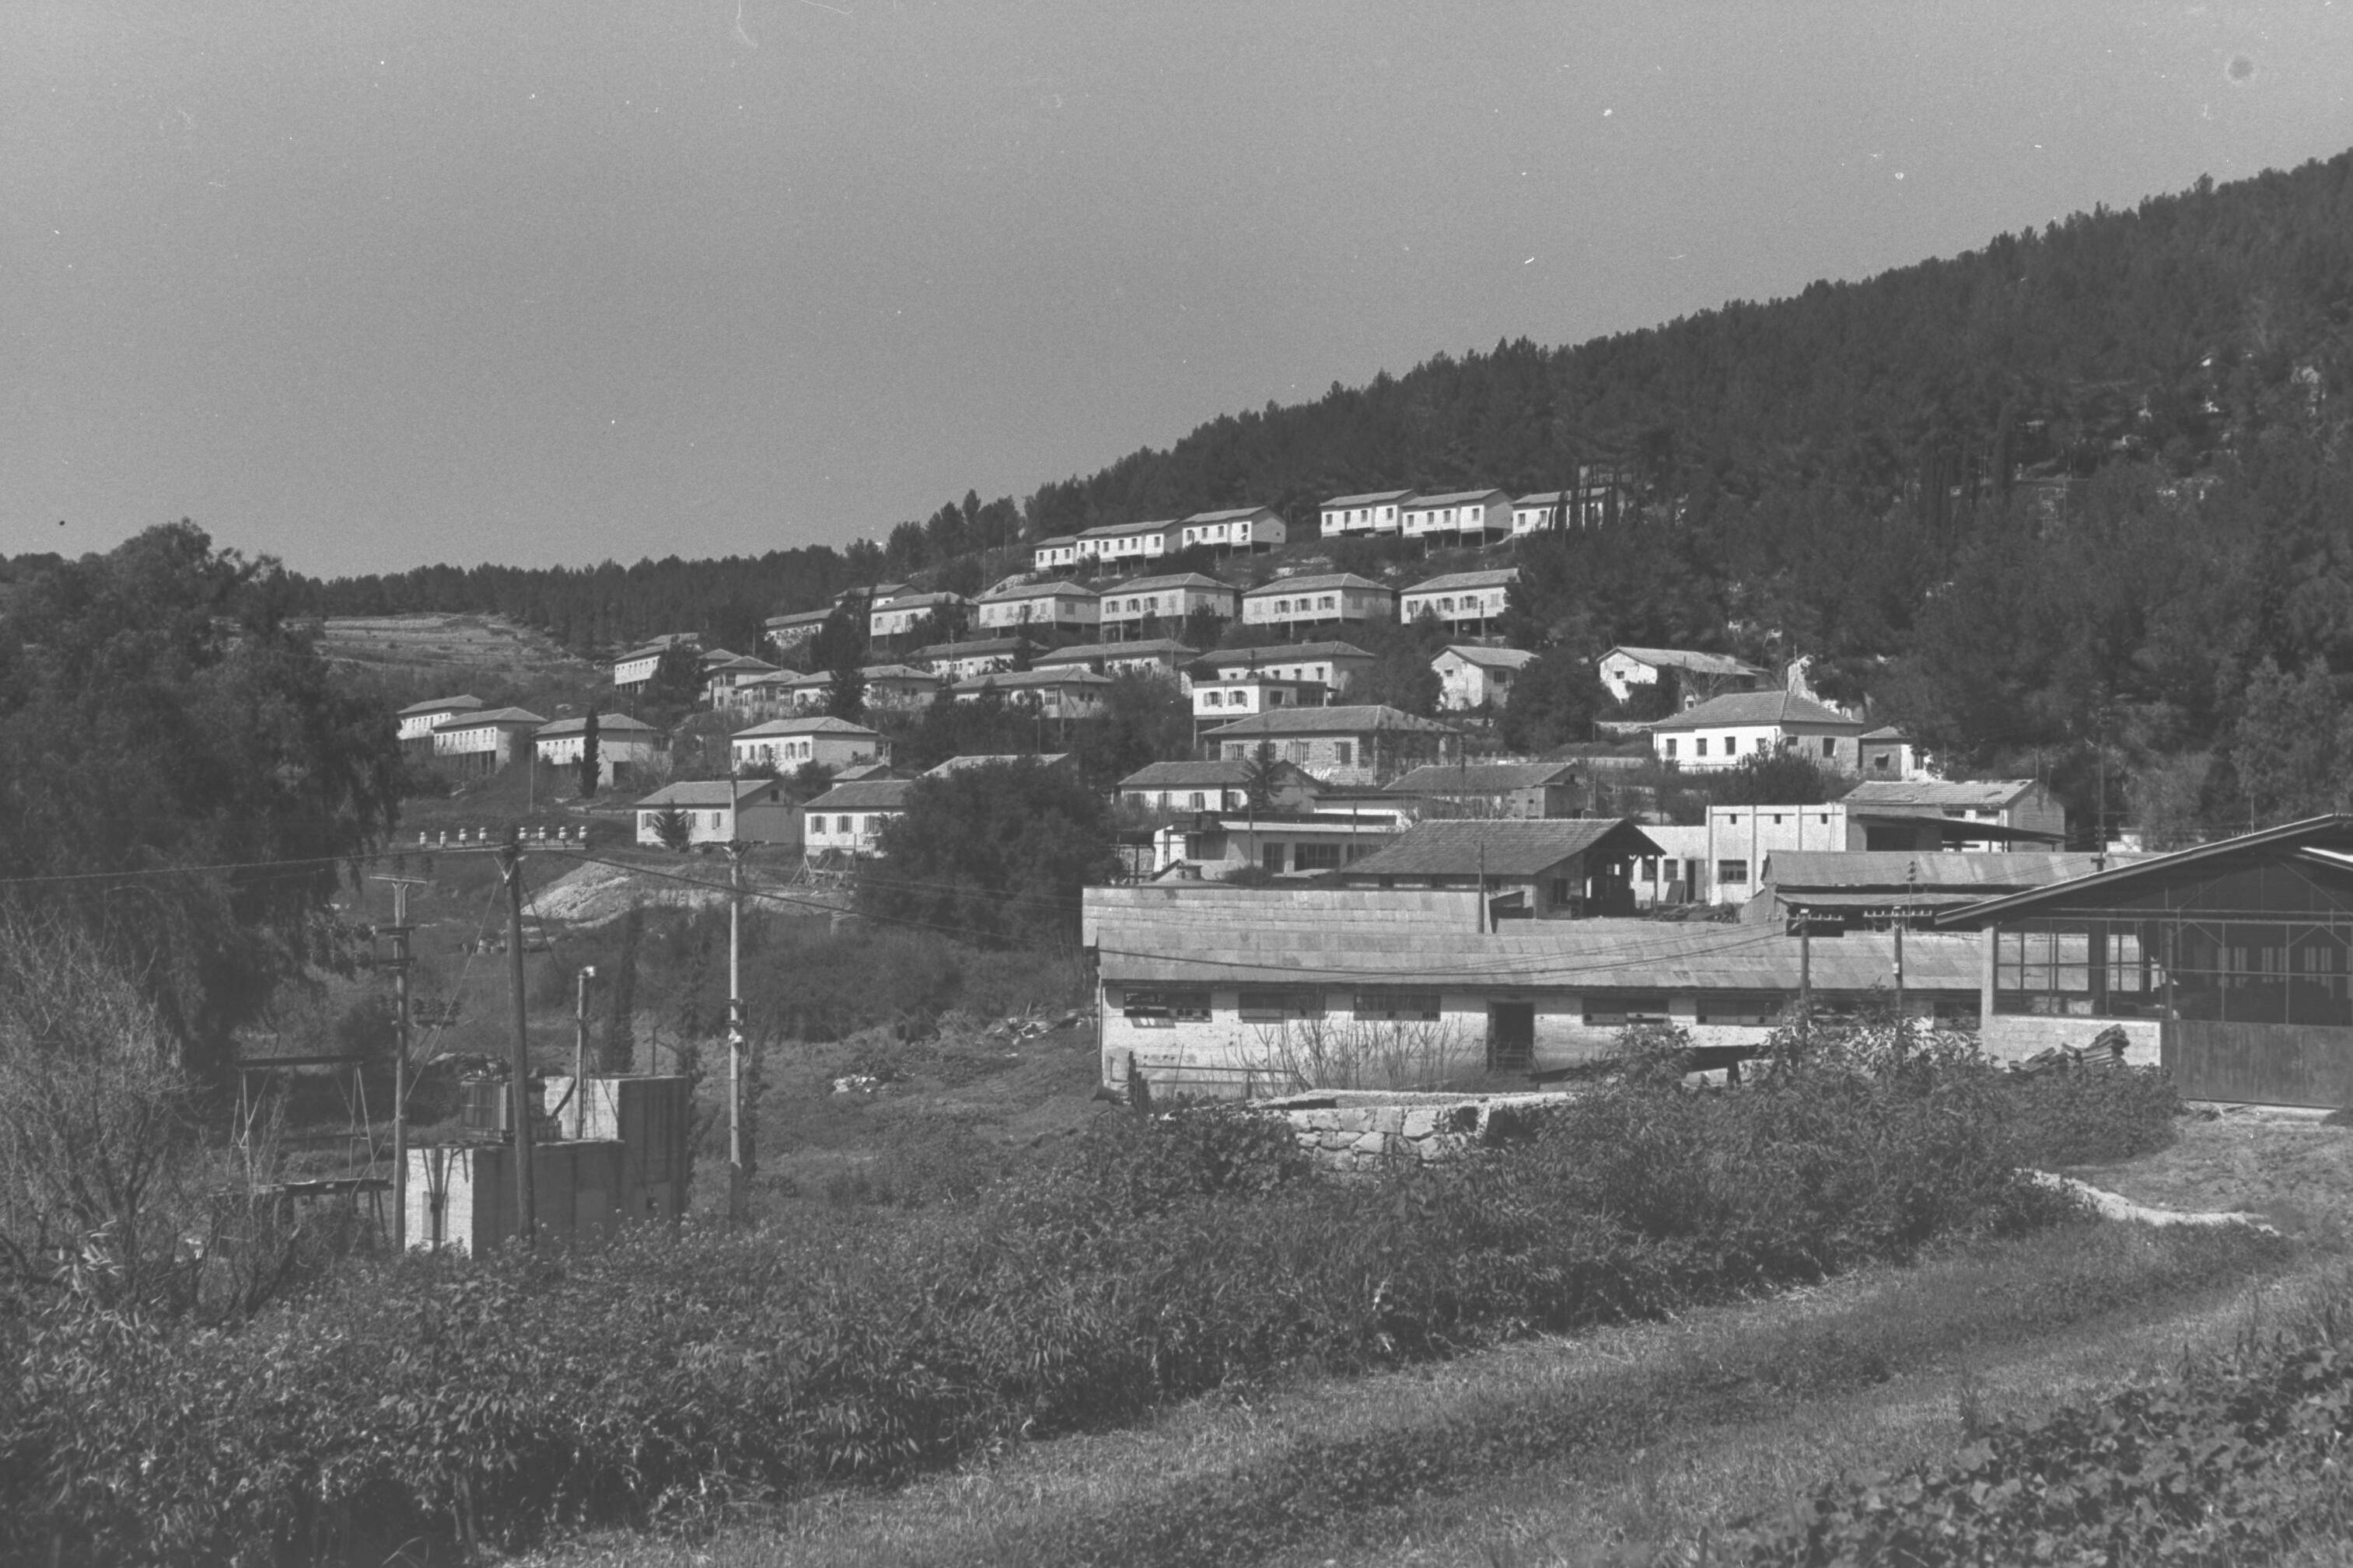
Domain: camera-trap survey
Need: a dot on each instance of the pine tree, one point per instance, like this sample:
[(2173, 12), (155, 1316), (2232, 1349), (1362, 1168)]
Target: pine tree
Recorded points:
[(589, 759)]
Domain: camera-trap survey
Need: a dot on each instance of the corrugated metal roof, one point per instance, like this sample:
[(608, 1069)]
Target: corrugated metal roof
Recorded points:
[(1362, 719), (1024, 679), (1561, 955), (994, 759), (981, 649), (798, 618), (1521, 846), (1122, 530), (2278, 844), (1451, 582), (1481, 778), (1231, 515), (1758, 708), (1370, 498)]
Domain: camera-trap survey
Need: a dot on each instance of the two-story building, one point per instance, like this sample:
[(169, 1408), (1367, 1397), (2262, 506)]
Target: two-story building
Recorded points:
[(626, 748), (965, 660), (721, 811), (2009, 809), (1056, 554), (849, 819), (1465, 603), (1475, 676), (1219, 784), (1723, 730), (419, 720), (1235, 530), (1057, 692), (788, 635), (1889, 753), (723, 680), (786, 744), (1698, 675), (486, 739), (1124, 546), (1376, 511), (1056, 606), (911, 616), (1160, 657), (1457, 517), (1294, 604), (1150, 604), (1368, 745), (1220, 701), (634, 669), (1334, 665)]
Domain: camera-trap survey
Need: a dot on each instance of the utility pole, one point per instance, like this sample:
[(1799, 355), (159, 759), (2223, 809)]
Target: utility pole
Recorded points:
[(1805, 978), (519, 1083), (738, 1197), (1483, 884), (580, 1055), (398, 930)]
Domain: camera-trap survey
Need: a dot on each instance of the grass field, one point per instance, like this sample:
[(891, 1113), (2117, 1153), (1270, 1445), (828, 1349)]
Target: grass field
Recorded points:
[(1617, 1447)]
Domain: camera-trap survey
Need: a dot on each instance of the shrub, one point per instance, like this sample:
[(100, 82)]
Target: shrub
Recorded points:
[(2083, 1117), (1148, 1259)]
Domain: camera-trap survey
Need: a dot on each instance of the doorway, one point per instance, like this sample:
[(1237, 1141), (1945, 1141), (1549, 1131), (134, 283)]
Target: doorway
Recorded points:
[(1511, 1036)]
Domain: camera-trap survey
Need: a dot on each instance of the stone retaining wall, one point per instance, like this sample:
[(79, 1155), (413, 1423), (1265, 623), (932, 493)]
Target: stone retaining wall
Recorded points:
[(1364, 1132)]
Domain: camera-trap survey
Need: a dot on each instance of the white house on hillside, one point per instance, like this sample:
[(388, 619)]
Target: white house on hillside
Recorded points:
[(1055, 607), (1056, 553), (847, 818), (789, 743), (1334, 665), (1723, 730), (1062, 693), (901, 615), (621, 743), (721, 811), (1218, 702), (1475, 677), (486, 741), (418, 720), (1163, 656), (1376, 511), (635, 668), (1701, 675), (1167, 600), (1125, 544), (1470, 602), (1236, 529), (1458, 517), (1333, 598)]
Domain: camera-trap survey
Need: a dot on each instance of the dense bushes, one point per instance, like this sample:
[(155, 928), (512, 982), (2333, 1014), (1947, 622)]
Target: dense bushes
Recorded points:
[(2090, 1118), (1148, 1260), (2242, 1457)]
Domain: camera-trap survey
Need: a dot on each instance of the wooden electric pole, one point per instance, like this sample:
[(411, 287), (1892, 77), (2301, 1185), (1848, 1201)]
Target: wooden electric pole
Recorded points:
[(399, 931), (738, 1197), (580, 1055), (519, 1084)]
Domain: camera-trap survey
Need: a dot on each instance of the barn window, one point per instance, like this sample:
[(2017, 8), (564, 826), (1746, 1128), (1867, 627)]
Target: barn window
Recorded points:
[(1395, 1007), (1274, 1004), (1167, 1004), (1621, 1012)]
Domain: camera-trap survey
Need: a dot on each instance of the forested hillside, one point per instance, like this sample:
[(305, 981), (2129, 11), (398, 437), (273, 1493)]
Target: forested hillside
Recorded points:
[(2076, 503)]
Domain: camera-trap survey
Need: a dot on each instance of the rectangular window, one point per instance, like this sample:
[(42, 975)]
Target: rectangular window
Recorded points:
[(1274, 1004), (1394, 1007), (1671, 746), (1199, 800), (1344, 754), (1650, 867), (1315, 858), (1618, 1012), (1699, 746), (1830, 749), (1167, 1004), (1560, 893), (1732, 873), (1733, 1008)]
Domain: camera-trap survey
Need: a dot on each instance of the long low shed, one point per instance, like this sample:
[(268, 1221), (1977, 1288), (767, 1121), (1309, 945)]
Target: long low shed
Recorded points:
[(1249, 992)]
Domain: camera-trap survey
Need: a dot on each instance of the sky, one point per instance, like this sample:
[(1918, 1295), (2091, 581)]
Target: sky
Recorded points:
[(367, 286)]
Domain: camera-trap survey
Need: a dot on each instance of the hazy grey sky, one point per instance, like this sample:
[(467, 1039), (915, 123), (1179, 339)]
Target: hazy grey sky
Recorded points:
[(372, 285)]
